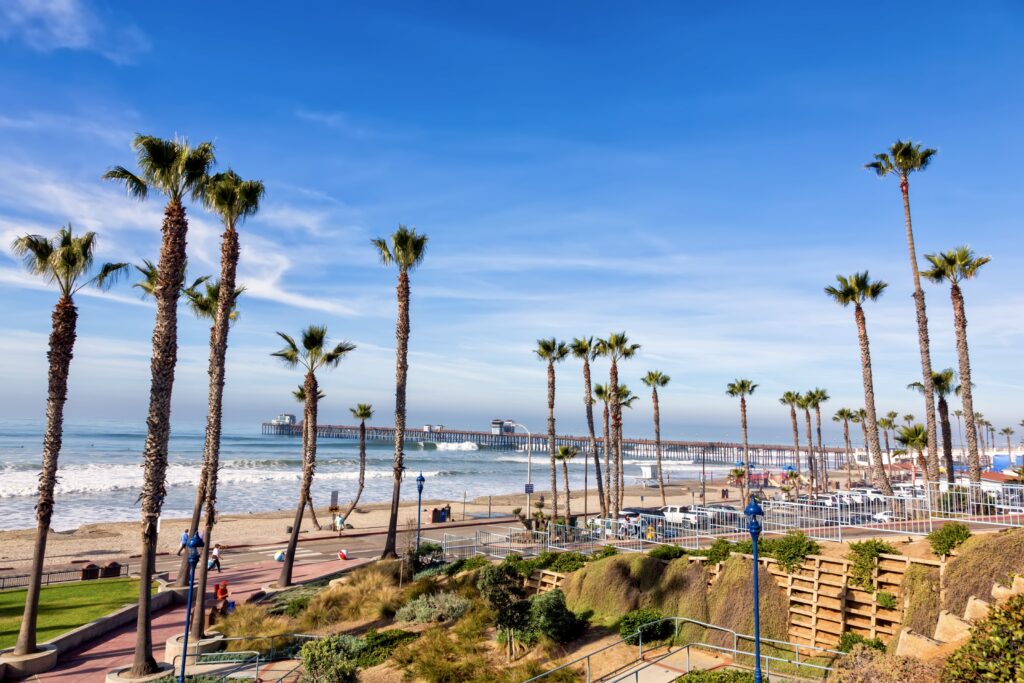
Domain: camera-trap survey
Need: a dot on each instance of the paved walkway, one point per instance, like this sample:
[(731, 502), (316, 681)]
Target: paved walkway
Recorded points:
[(669, 668), (92, 662)]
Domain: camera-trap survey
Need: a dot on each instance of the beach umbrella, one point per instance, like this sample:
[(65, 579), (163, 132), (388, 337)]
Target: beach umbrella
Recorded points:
[(738, 463), (789, 468)]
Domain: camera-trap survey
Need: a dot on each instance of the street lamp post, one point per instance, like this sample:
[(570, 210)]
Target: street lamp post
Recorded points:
[(419, 511), (529, 468), (754, 515), (194, 544)]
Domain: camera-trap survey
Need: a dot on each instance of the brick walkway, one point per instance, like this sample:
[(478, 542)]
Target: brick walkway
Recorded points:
[(92, 662)]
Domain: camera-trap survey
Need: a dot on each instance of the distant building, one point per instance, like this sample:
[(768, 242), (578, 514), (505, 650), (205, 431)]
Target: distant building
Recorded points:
[(429, 429), (499, 426), (283, 419)]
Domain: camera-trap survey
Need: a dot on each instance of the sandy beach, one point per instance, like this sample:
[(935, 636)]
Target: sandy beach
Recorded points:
[(102, 542)]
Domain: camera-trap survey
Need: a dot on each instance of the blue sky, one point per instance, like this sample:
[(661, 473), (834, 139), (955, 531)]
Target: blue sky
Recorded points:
[(689, 173)]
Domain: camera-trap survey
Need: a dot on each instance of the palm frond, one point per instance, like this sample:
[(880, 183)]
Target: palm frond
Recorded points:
[(136, 186), (110, 274)]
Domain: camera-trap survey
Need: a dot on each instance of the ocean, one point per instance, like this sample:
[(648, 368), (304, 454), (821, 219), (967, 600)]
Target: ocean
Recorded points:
[(100, 472)]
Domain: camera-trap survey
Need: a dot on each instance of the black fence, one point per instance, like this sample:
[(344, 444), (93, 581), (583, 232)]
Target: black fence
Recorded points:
[(86, 572)]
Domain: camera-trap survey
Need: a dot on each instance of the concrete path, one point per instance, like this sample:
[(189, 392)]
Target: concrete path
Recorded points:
[(669, 668), (92, 662)]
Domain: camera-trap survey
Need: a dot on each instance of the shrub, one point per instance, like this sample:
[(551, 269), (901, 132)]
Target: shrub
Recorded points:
[(864, 557), (433, 607), (791, 549), (436, 658), (603, 552), (921, 596), (948, 537), (849, 639), (566, 563), (867, 665), (296, 605), (982, 560), (667, 552), (379, 646), (994, 651), (718, 552), (550, 617), (251, 622), (717, 676), (328, 659), (643, 620), (885, 599)]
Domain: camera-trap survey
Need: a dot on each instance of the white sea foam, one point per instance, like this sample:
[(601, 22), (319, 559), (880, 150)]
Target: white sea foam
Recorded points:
[(462, 446)]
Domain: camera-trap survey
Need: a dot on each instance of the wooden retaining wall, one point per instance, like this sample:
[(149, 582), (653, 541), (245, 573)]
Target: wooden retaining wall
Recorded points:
[(542, 581)]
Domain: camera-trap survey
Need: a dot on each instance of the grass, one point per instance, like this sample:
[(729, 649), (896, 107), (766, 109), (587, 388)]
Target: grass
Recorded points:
[(982, 560), (65, 607), (682, 592), (733, 591), (921, 594), (606, 588)]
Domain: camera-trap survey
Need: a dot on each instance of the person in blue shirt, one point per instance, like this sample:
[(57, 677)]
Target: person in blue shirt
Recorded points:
[(184, 541)]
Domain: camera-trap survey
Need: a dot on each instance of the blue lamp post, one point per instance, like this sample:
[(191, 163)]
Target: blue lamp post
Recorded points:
[(754, 515), (194, 544), (419, 510)]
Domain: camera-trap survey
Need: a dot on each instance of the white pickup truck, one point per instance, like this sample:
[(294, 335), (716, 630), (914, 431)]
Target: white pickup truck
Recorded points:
[(683, 514)]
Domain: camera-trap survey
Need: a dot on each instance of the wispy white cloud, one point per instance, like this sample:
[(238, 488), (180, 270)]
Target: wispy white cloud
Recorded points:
[(110, 132), (46, 25), (338, 121)]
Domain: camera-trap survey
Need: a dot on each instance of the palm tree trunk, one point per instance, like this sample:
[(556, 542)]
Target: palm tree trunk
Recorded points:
[(745, 490), (170, 271), (822, 456), (657, 442), (214, 414), (362, 471), (922, 337), (966, 393), (870, 421), (796, 436), (888, 452), (565, 476), (960, 431), (311, 389), (551, 440), (402, 330), (812, 468), (619, 469), (947, 439), (62, 343), (589, 402), (607, 463), (616, 417), (849, 465)]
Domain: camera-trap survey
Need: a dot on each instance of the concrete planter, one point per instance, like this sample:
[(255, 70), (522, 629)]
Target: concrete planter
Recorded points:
[(214, 642), (123, 674), (22, 666)]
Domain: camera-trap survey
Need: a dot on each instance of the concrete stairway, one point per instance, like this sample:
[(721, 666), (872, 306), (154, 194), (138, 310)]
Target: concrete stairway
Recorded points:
[(952, 631)]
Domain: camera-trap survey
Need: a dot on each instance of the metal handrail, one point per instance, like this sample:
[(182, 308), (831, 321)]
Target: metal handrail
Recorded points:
[(638, 635), (252, 659)]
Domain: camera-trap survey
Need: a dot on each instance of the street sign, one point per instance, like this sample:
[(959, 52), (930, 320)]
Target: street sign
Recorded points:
[(529, 488)]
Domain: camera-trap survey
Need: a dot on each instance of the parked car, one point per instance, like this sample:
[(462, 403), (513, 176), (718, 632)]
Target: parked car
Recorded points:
[(908, 491), (890, 516), (868, 494), (685, 515)]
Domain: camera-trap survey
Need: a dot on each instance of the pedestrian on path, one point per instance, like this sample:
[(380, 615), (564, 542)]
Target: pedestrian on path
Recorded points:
[(184, 541), (215, 558)]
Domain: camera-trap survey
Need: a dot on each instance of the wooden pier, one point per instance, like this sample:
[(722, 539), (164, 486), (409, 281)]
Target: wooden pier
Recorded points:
[(710, 452)]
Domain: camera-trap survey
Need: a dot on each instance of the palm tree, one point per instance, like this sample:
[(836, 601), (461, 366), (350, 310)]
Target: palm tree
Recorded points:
[(616, 347), (362, 412), (1008, 432), (655, 379), (817, 396), (406, 250), (315, 354), (299, 394), (914, 438), (626, 400), (902, 159), (885, 424), (602, 393), (909, 419), (791, 399), (804, 403), (176, 170), (857, 289), (960, 427), (741, 388), (66, 261), (956, 266), (944, 383), (585, 349), (977, 423), (845, 415), (552, 351), (564, 455)]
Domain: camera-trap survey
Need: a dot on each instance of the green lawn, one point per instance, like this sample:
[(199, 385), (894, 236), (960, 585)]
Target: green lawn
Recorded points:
[(65, 607)]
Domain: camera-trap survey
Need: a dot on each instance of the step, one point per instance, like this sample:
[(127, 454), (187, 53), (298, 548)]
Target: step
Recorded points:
[(1001, 593), (977, 609), (913, 644), (952, 629)]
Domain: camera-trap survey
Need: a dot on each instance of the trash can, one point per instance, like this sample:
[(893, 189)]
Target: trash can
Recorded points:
[(435, 516), (111, 570), (443, 515), (90, 571)]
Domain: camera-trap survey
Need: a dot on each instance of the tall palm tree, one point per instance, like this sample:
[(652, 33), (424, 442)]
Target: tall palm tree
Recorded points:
[(316, 354), (655, 379), (845, 415), (900, 160), (299, 394), (909, 419), (362, 412), (64, 260), (406, 251), (626, 400), (741, 388), (817, 396), (803, 402), (956, 266), (944, 383), (602, 393), (176, 170), (885, 424), (585, 349), (564, 455), (552, 351), (1008, 432), (914, 438), (791, 399), (615, 348), (976, 426), (857, 289), (960, 426)]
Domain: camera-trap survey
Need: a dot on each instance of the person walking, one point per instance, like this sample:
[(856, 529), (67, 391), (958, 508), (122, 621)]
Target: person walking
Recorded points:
[(215, 557), (184, 541)]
